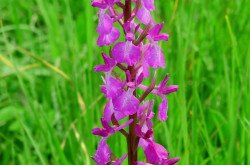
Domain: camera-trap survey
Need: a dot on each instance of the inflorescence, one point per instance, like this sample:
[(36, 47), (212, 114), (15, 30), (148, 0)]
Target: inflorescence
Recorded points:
[(134, 57)]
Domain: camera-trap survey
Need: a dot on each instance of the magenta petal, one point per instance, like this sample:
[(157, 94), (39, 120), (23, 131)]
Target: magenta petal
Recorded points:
[(156, 153), (145, 69), (110, 2), (151, 153), (99, 4), (163, 82), (130, 36), (161, 37), (162, 152), (105, 131), (100, 132), (126, 103), (119, 115), (126, 52), (109, 111), (141, 110), (143, 143), (119, 161), (163, 89), (105, 23), (123, 125), (118, 52), (110, 38), (144, 15), (169, 89), (149, 4), (109, 63), (138, 131), (150, 114), (103, 153), (140, 79), (106, 125), (154, 33), (102, 68), (171, 161), (112, 87), (154, 56), (163, 109), (155, 30)]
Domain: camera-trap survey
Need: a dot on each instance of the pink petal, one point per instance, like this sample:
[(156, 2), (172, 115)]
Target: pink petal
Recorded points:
[(151, 153), (106, 125), (99, 4), (105, 23), (126, 103), (149, 4), (110, 38), (154, 33), (100, 132), (109, 63), (119, 161), (155, 30), (112, 87), (145, 69), (126, 52), (138, 131), (163, 82), (171, 161), (154, 56), (109, 111), (144, 15), (103, 153), (130, 36), (161, 37), (170, 89), (163, 109), (140, 79), (162, 152), (150, 114), (123, 125)]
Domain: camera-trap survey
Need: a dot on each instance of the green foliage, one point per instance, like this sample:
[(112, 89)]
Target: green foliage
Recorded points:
[(50, 97)]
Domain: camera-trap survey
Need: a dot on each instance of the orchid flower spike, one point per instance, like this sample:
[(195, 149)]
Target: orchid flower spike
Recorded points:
[(134, 51)]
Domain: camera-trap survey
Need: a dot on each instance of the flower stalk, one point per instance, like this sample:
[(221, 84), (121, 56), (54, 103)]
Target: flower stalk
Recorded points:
[(134, 57), (127, 10)]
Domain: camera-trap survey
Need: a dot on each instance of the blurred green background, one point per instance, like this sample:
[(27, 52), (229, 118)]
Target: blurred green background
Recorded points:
[(50, 97)]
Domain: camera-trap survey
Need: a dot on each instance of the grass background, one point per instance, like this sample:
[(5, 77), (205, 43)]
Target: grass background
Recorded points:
[(50, 97)]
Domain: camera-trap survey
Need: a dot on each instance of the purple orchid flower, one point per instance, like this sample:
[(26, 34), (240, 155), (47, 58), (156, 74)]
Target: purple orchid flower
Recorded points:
[(161, 91), (109, 63), (126, 66), (154, 33), (126, 52), (156, 153), (103, 155)]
